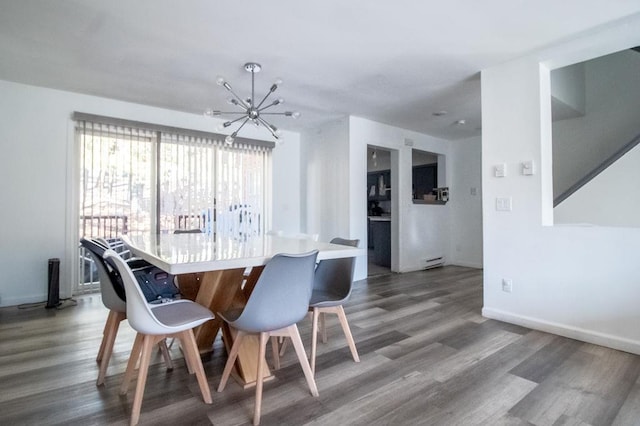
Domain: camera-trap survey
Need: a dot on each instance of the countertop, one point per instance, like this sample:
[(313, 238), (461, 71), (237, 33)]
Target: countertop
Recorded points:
[(380, 218)]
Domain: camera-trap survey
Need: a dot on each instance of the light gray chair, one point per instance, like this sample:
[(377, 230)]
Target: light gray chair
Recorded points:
[(112, 291), (153, 324), (331, 288), (279, 300)]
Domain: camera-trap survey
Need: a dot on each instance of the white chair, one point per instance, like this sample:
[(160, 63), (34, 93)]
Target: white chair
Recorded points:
[(112, 291), (154, 323)]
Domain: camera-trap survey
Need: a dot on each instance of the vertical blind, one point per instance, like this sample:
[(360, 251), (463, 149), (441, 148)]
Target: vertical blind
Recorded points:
[(137, 179)]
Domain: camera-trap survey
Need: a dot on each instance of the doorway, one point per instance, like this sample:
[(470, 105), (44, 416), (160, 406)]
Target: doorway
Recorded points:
[(379, 211)]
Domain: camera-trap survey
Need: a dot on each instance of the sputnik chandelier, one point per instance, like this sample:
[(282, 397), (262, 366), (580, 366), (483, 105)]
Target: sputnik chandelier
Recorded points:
[(249, 111)]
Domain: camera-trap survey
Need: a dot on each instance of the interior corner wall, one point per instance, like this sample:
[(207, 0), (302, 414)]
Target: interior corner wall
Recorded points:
[(326, 194), (573, 281), (37, 145), (466, 202)]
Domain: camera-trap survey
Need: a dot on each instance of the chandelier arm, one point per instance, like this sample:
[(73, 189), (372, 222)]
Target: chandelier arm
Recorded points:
[(242, 125), (230, 112), (265, 97), (269, 106), (242, 102), (269, 127), (236, 120), (287, 113)]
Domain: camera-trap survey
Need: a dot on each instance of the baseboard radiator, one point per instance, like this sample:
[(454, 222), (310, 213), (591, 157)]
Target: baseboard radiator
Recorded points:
[(435, 262)]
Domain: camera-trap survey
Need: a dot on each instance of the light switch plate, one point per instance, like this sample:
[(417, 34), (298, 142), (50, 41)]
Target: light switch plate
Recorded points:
[(500, 170), (528, 168)]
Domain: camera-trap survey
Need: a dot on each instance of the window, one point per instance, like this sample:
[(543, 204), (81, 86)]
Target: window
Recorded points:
[(137, 178)]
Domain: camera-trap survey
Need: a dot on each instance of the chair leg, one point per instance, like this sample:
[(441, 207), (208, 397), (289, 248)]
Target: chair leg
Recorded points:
[(259, 379), (302, 357), (274, 353), (323, 326), (190, 347), (104, 339), (347, 332), (131, 365), (314, 339), (231, 360), (145, 357), (283, 347), (162, 345), (108, 339)]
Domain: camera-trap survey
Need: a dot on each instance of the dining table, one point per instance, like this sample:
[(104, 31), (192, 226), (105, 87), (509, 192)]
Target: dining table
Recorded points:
[(219, 272)]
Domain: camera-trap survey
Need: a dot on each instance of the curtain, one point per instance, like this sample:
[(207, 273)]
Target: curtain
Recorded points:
[(142, 180)]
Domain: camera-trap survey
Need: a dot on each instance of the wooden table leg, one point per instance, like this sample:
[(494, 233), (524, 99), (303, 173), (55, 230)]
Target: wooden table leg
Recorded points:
[(221, 291), (217, 292)]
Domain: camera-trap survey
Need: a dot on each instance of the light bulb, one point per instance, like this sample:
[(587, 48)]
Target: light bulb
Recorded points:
[(278, 82), (232, 101), (278, 101), (220, 127), (220, 80), (278, 133), (295, 114), (208, 112), (228, 140)]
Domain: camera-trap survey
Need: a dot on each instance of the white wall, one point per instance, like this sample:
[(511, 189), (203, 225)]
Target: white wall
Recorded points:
[(610, 199), (326, 167), (422, 230), (574, 281), (466, 202), (37, 145)]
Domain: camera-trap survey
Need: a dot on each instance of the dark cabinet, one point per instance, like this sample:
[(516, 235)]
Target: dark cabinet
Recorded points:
[(425, 178)]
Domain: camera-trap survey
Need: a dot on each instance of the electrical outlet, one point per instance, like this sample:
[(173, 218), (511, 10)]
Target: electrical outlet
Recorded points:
[(507, 285)]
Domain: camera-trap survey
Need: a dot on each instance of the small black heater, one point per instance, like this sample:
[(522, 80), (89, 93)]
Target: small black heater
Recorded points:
[(53, 301)]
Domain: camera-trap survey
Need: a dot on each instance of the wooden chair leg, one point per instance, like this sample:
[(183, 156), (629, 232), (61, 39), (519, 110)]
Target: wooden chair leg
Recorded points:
[(259, 377), (104, 339), (131, 365), (314, 339), (191, 352), (302, 357), (274, 353), (162, 345), (145, 357), (347, 332), (108, 340), (283, 347), (231, 360), (323, 326)]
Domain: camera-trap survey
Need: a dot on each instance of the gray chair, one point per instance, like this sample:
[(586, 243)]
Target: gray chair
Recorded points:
[(331, 288), (113, 298), (279, 300), (153, 324)]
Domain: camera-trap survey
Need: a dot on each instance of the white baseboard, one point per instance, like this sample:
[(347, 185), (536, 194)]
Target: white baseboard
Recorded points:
[(466, 264), (589, 336), (13, 301)]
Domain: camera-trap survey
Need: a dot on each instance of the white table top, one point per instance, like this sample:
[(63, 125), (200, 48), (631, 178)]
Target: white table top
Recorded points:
[(186, 253)]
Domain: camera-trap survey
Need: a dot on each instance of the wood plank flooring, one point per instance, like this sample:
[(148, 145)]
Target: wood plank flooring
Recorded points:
[(427, 358)]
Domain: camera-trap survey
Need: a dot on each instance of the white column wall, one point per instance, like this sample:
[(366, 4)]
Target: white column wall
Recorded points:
[(37, 191), (574, 281), (422, 230), (466, 206)]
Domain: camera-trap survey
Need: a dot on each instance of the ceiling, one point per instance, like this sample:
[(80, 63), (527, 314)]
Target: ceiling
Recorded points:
[(393, 62)]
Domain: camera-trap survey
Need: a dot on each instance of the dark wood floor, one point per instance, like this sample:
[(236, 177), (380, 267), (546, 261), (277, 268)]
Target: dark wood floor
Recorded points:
[(428, 357)]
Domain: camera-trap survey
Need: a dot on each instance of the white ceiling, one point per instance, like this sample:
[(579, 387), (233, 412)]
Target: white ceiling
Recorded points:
[(396, 62)]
